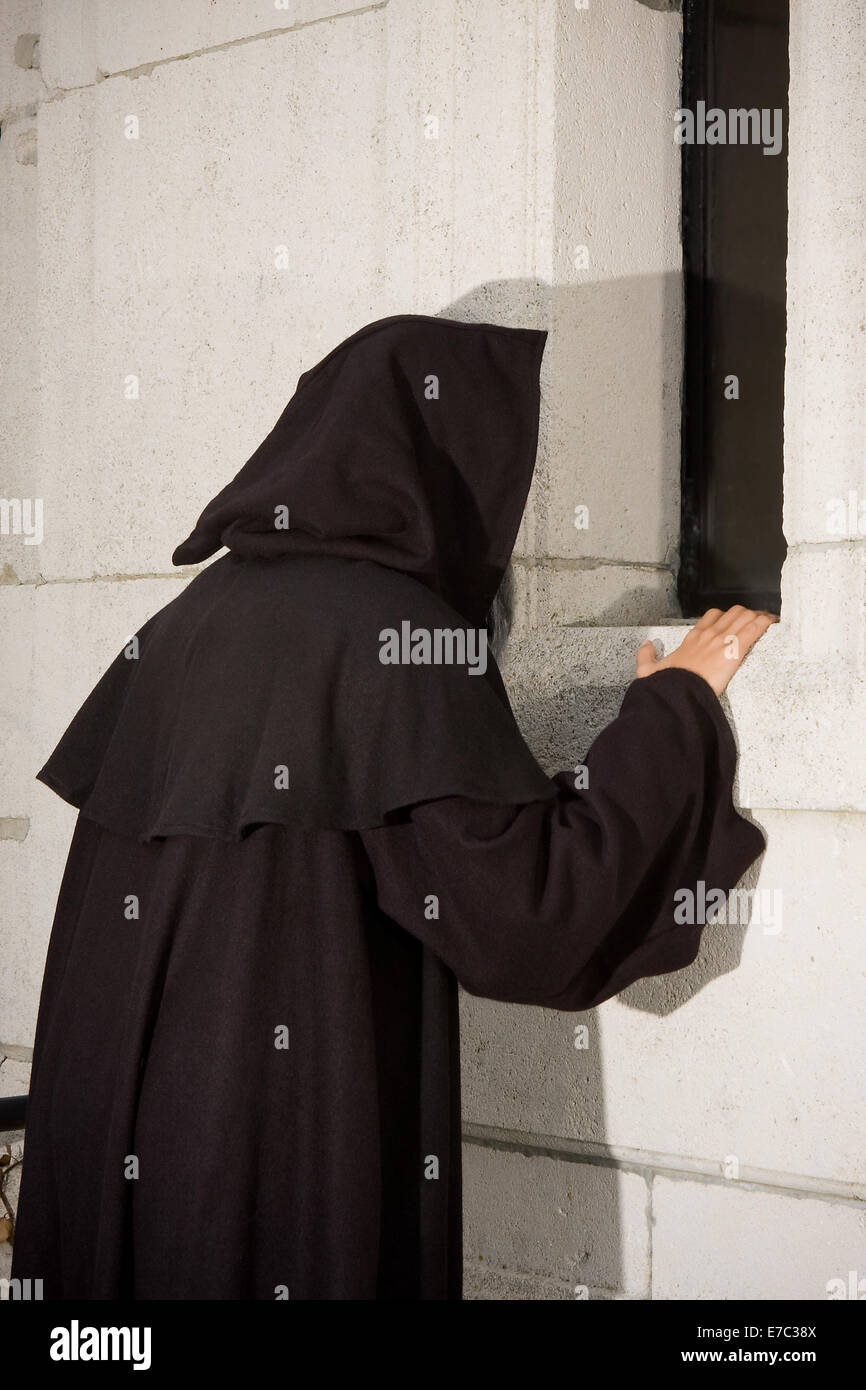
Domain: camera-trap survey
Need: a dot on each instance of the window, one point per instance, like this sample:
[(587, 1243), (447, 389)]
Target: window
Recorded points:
[(733, 130)]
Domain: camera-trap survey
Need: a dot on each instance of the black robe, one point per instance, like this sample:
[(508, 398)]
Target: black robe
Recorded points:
[(289, 851)]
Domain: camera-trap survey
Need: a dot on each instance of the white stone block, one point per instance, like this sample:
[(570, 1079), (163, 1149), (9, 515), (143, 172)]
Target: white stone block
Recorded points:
[(749, 1055), (712, 1241), (551, 594), (824, 609), (618, 319), (825, 405), (20, 82), (86, 40), (580, 1224), (481, 1283), (178, 295), (796, 722), (30, 875), (19, 349), (58, 640)]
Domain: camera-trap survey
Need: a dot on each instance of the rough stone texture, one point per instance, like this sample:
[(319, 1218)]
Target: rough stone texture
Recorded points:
[(580, 1224), (19, 84), (616, 324), (250, 148), (825, 404), (719, 1241), (480, 1283), (551, 594), (452, 157), (14, 1073), (86, 40), (180, 299), (46, 678), (30, 874), (19, 356), (754, 1040), (57, 640), (567, 683)]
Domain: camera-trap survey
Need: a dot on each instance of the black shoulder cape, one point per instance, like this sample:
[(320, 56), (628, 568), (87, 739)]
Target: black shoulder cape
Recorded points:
[(386, 498)]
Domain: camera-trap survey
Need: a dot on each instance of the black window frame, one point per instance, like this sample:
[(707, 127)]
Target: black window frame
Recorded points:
[(732, 464)]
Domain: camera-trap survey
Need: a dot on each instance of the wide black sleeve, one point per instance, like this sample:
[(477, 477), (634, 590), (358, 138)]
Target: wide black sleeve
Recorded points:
[(567, 901)]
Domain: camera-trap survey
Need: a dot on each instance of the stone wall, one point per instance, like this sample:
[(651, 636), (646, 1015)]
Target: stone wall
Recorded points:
[(200, 201)]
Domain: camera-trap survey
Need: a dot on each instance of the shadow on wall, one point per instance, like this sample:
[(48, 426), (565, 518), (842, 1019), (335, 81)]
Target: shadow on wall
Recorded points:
[(620, 410), (559, 725), (598, 324)]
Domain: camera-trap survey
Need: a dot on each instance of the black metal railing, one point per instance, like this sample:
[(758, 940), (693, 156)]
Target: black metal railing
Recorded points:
[(12, 1112)]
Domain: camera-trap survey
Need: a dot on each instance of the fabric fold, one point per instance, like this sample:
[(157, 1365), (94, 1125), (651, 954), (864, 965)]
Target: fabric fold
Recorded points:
[(259, 696), (385, 499), (566, 902)]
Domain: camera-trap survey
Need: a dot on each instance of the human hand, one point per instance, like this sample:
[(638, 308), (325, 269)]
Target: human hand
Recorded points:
[(714, 648)]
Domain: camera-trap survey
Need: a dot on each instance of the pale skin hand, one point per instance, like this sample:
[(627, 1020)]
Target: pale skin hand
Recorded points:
[(715, 646)]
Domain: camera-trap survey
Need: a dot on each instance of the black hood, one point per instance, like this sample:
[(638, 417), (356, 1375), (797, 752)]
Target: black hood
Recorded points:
[(411, 444), (260, 694)]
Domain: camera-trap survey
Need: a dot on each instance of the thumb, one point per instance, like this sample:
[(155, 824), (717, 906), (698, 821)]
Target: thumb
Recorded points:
[(646, 658)]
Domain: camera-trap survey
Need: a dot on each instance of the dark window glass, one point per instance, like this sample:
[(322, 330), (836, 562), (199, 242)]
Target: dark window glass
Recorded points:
[(735, 60)]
